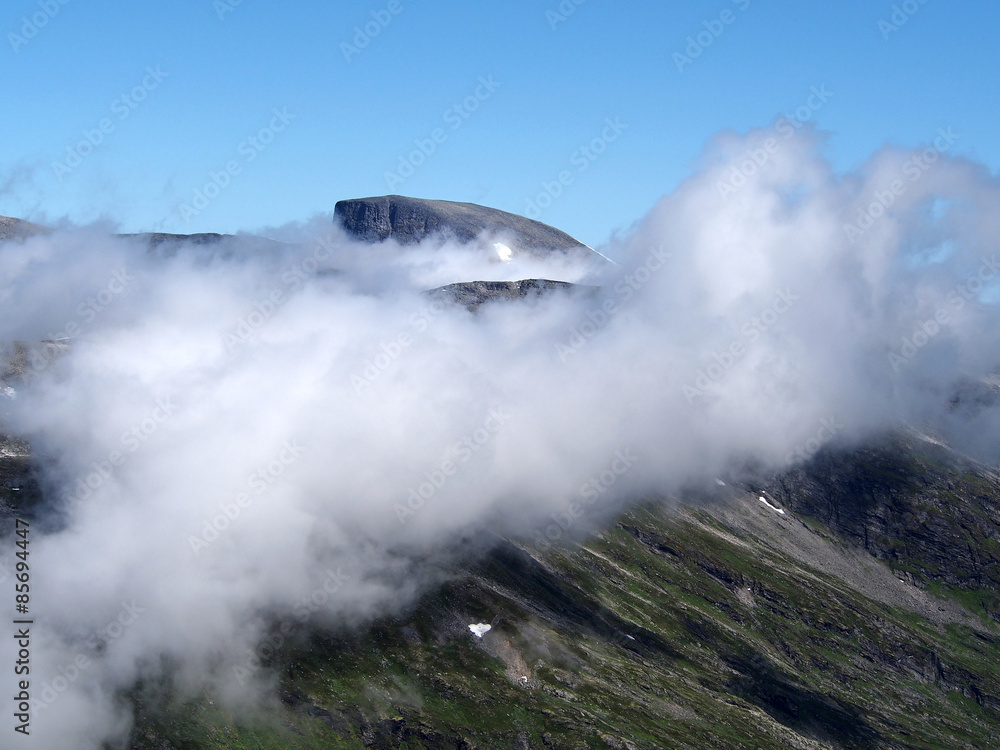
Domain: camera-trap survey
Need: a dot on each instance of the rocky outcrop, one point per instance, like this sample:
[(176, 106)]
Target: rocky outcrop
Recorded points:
[(155, 239), (472, 294), (411, 220), (927, 512)]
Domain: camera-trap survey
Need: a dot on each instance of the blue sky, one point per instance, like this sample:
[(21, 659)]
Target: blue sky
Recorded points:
[(355, 115)]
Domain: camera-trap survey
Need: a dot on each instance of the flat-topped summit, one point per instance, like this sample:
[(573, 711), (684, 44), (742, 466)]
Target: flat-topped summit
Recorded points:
[(410, 220)]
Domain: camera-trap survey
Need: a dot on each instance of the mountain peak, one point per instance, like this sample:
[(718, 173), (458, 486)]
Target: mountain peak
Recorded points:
[(411, 220)]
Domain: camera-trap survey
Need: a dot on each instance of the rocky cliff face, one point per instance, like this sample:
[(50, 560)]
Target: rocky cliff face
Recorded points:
[(411, 220)]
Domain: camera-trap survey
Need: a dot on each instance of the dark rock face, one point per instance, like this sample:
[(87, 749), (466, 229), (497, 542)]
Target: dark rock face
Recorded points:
[(929, 514), (410, 220), (155, 239), (472, 294), (11, 229)]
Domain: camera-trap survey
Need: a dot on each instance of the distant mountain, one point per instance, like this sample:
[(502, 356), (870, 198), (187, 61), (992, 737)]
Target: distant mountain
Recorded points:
[(472, 294), (411, 220), (852, 601), (161, 243), (211, 244), (155, 239), (11, 228)]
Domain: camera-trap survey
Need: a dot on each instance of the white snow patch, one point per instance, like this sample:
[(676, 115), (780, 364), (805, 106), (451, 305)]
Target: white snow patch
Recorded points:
[(503, 251), (479, 629), (720, 483), (776, 510), (8, 391)]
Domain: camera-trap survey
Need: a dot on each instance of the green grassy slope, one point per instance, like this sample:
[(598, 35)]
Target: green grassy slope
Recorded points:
[(724, 626)]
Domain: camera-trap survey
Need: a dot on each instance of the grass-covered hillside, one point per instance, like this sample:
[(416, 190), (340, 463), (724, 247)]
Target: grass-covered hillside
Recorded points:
[(721, 624)]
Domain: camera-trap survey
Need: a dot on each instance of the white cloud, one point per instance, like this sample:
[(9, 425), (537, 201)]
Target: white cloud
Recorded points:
[(167, 334)]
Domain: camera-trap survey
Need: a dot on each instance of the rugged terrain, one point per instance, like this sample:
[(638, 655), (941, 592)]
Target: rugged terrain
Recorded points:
[(687, 623), (852, 601), (411, 220), (717, 624)]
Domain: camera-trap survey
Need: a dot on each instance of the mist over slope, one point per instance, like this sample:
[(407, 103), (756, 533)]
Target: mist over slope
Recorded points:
[(229, 434)]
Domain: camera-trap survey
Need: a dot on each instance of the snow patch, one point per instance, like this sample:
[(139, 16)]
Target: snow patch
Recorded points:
[(479, 629), (776, 510)]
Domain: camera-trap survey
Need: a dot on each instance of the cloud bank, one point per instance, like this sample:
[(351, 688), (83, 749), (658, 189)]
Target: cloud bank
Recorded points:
[(245, 434)]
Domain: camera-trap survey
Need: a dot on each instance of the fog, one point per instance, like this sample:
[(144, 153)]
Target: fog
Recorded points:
[(246, 434)]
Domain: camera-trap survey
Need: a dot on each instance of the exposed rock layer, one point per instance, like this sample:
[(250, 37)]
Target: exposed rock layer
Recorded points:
[(410, 220)]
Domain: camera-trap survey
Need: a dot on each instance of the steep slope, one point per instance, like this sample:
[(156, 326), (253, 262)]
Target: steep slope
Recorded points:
[(723, 625), (931, 515), (11, 228)]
